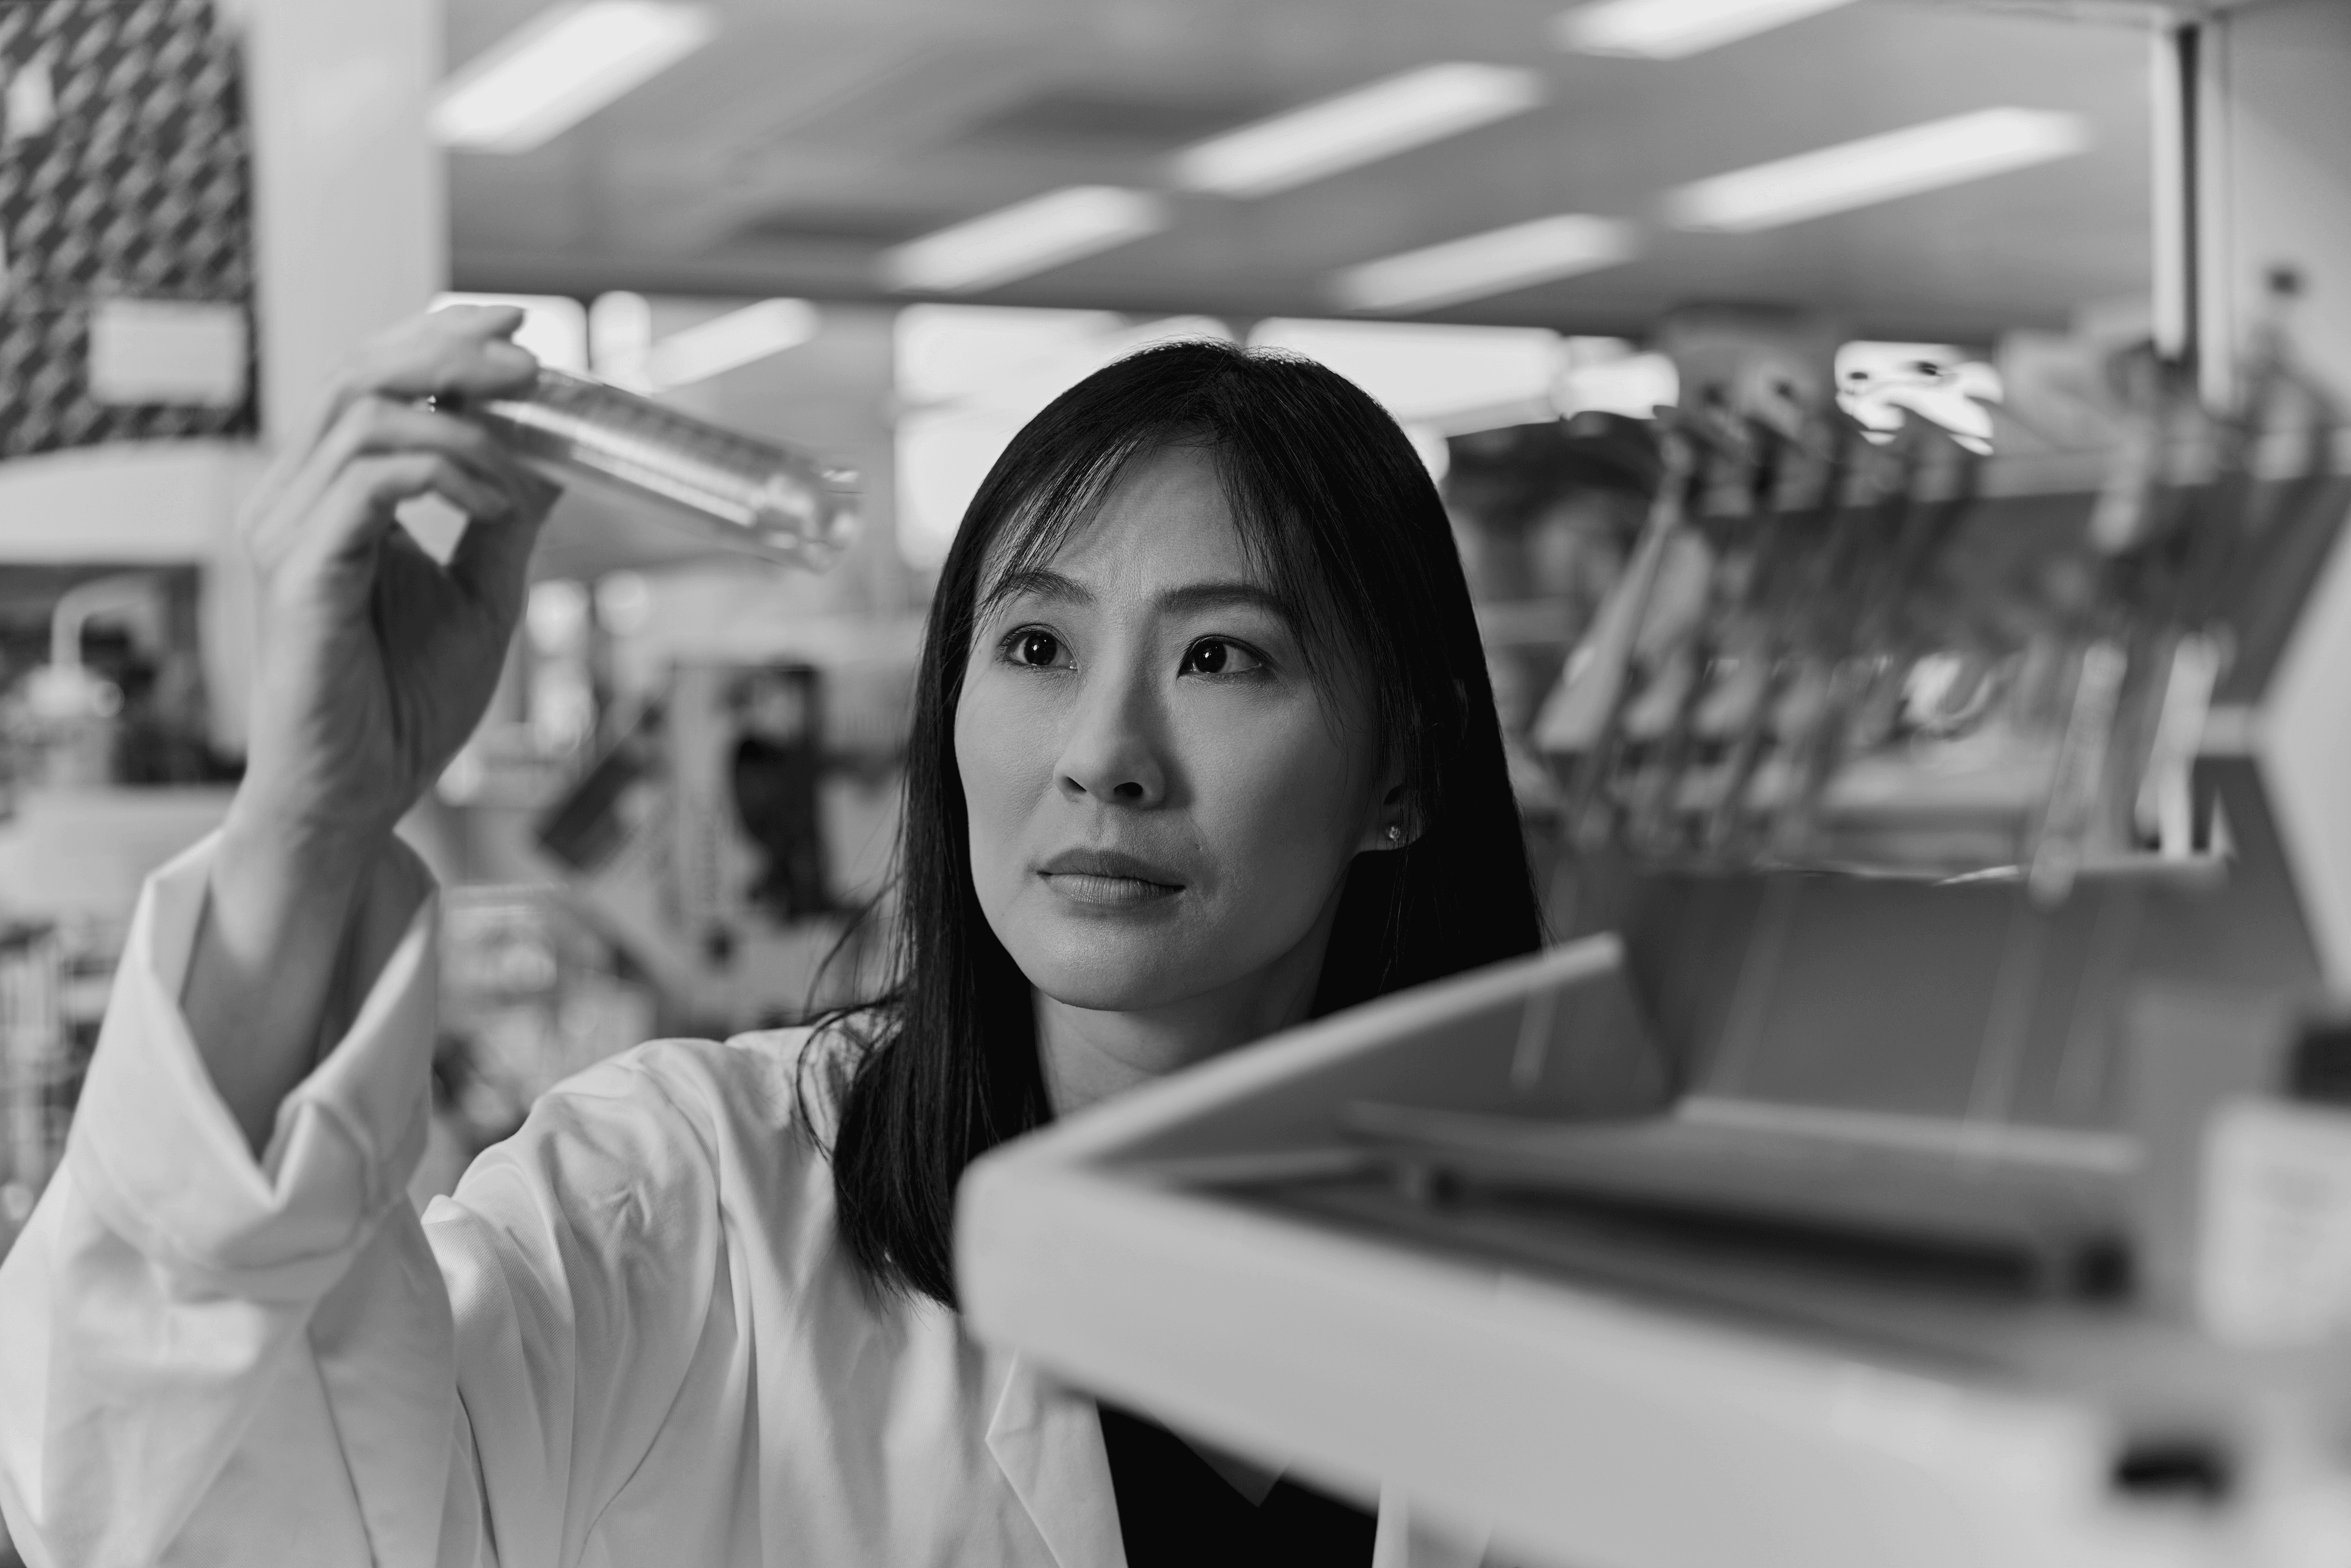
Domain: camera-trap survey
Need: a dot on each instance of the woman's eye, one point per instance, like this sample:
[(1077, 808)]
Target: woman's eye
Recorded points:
[(1037, 650), (1216, 656)]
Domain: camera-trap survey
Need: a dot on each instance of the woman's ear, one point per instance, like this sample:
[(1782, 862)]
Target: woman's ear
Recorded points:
[(1395, 821)]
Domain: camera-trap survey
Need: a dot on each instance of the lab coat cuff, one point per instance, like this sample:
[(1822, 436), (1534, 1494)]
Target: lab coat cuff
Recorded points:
[(158, 1154)]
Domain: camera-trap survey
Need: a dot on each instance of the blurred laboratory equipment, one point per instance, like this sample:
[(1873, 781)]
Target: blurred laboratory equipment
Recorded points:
[(1827, 653), (119, 697), (54, 979)]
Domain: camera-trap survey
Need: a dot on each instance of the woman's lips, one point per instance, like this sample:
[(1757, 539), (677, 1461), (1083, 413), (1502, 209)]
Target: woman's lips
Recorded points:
[(1107, 890), (1108, 878)]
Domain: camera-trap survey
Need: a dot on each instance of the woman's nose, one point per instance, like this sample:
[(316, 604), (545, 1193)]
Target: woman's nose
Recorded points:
[(1111, 752)]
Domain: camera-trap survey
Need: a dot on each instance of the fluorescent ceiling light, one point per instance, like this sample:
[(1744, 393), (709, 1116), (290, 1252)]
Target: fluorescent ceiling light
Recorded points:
[(561, 66), (730, 342), (1030, 388), (1358, 127), (1491, 263), (955, 354), (1001, 356), (1669, 29), (1876, 169), (968, 378), (1025, 239), (1450, 380)]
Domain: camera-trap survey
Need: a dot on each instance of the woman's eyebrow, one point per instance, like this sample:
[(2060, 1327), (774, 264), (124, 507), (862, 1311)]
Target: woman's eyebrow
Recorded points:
[(1038, 582), (1045, 583), (1230, 595)]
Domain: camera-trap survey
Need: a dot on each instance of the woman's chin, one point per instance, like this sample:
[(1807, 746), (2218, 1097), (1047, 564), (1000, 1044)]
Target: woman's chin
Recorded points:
[(1112, 977), (1100, 993)]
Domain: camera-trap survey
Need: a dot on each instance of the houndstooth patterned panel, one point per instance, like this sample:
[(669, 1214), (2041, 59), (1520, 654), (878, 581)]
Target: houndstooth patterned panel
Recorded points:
[(138, 187)]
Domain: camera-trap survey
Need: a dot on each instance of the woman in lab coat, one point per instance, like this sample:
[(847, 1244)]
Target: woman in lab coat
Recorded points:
[(1203, 748)]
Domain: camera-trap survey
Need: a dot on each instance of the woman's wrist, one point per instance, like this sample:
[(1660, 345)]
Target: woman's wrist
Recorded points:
[(275, 879), (279, 900), (338, 844)]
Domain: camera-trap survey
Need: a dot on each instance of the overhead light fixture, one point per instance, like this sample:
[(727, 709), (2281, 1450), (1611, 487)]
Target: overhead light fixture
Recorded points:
[(1876, 169), (1446, 380), (1355, 127), (1025, 239), (968, 378), (1669, 29), (1492, 263), (961, 353), (729, 343), (1030, 387), (561, 66)]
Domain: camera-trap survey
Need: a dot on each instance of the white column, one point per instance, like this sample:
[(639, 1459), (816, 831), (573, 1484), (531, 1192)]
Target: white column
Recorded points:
[(2275, 125), (350, 204), (2275, 122), (352, 232)]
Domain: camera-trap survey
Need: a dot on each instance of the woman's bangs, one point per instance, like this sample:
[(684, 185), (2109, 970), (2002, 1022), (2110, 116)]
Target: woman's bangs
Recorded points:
[(1032, 528), (1281, 548), (1035, 527)]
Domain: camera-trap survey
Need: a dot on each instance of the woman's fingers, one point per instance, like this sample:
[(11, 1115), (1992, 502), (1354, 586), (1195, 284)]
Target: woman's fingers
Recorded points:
[(492, 560), (459, 350), (378, 425), (374, 427), (360, 503)]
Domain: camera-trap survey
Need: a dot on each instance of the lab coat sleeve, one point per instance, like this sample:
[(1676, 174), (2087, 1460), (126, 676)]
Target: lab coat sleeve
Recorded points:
[(204, 1358), (586, 1261)]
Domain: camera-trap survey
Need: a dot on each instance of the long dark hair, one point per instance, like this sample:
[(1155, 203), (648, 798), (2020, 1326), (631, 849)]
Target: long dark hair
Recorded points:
[(1339, 516)]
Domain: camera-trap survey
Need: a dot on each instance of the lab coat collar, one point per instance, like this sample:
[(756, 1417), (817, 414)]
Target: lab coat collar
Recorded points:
[(1047, 1441)]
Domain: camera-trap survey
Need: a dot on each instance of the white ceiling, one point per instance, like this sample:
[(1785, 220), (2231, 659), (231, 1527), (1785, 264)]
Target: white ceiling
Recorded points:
[(815, 132)]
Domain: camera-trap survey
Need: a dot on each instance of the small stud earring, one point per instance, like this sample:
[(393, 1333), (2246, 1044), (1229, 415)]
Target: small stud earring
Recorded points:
[(1396, 836)]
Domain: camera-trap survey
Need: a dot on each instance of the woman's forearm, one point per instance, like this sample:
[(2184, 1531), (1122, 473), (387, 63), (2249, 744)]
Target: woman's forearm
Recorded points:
[(263, 966), (186, 1351)]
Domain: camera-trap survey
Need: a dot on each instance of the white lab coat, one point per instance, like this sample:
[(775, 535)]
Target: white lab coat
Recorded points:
[(631, 1337)]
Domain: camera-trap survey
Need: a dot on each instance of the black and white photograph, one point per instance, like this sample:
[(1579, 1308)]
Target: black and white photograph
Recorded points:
[(1175, 783)]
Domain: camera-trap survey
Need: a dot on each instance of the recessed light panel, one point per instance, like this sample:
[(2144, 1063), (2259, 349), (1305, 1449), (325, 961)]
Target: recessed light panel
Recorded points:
[(1025, 239), (1670, 29), (1355, 127), (1495, 262), (1876, 169), (729, 343), (562, 66)]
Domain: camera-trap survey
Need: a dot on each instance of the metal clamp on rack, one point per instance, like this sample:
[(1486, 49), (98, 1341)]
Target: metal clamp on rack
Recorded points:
[(1831, 651)]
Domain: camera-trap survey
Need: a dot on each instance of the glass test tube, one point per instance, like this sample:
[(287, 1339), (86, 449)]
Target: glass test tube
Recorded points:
[(740, 491)]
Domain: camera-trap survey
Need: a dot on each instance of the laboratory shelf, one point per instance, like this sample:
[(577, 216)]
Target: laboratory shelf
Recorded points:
[(1568, 1384)]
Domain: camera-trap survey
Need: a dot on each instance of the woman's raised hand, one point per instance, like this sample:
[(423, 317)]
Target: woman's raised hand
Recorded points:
[(375, 663)]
